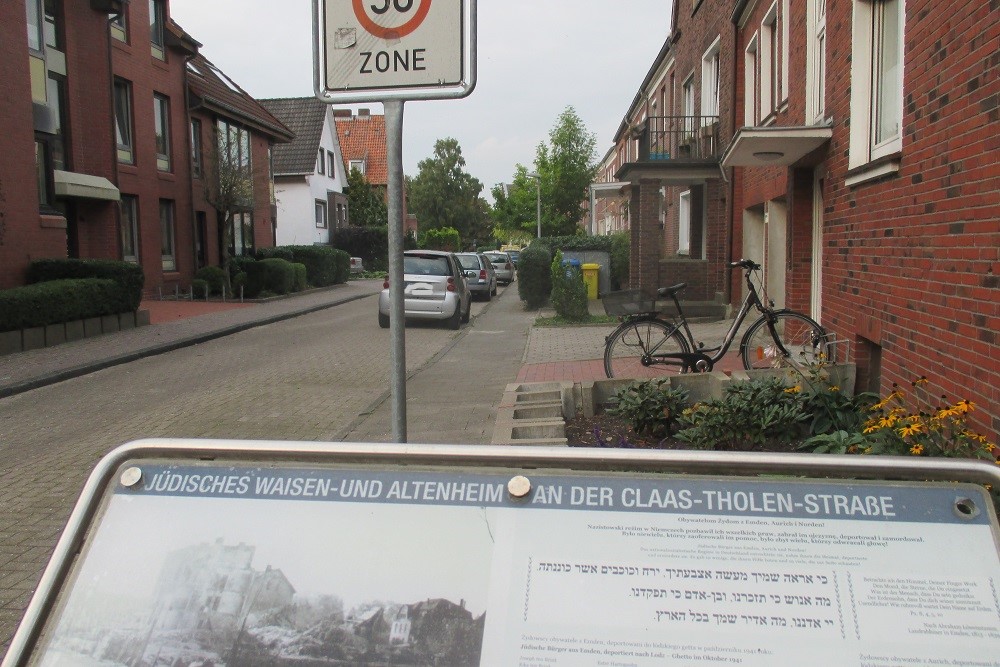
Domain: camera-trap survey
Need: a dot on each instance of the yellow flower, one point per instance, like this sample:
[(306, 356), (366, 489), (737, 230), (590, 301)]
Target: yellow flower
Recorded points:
[(911, 430), (793, 390), (964, 406), (920, 380), (834, 388), (944, 413), (917, 450)]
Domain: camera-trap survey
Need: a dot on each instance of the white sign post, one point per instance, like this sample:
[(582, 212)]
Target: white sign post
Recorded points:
[(390, 51)]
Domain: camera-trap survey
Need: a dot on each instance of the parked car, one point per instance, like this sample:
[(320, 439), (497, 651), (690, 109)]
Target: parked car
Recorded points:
[(503, 265), (479, 274), (434, 289), (357, 265), (513, 251)]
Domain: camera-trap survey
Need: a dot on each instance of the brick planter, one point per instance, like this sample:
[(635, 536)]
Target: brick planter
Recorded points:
[(35, 338)]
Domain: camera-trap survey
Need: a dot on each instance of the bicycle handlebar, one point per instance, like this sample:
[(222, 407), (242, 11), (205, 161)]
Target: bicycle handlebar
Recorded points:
[(747, 264)]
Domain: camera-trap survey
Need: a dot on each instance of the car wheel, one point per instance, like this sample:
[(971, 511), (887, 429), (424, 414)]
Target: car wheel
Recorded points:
[(455, 321), (494, 292), (383, 321), (468, 313)]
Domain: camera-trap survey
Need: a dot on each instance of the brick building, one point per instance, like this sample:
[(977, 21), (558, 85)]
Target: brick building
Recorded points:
[(856, 162), (97, 94)]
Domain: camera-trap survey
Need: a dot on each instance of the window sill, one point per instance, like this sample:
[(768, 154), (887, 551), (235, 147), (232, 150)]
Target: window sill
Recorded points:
[(166, 176), (47, 221), (125, 47), (884, 167)]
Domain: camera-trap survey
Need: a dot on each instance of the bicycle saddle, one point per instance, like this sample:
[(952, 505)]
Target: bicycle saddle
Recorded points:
[(672, 290)]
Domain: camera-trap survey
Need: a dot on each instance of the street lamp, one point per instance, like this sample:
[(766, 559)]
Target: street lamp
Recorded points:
[(538, 200)]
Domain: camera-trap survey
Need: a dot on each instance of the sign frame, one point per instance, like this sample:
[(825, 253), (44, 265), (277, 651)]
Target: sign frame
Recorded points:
[(521, 461), (339, 94)]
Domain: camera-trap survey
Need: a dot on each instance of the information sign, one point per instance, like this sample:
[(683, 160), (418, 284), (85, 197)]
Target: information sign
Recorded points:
[(236, 562), (372, 50)]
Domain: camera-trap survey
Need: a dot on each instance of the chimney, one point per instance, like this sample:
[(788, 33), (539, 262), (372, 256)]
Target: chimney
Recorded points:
[(364, 113), (341, 113)]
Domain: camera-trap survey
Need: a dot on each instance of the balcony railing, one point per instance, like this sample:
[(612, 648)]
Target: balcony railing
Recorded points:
[(679, 138)]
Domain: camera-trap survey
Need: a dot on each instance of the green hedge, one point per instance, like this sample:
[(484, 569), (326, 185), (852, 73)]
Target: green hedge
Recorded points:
[(371, 244), (127, 275), (300, 281), (569, 293), (325, 265), (215, 276), (56, 301), (534, 278), (273, 275)]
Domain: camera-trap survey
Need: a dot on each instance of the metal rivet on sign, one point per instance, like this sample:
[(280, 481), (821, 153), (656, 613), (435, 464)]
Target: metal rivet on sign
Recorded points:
[(131, 476), (519, 486), (965, 508)]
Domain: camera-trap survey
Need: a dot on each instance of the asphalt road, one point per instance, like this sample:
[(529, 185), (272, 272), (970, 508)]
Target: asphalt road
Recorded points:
[(313, 377)]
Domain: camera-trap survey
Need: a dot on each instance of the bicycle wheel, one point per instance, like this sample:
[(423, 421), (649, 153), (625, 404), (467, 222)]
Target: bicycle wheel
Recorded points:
[(804, 341), (626, 352)]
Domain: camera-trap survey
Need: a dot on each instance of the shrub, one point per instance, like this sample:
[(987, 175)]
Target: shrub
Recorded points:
[(446, 238), (238, 265), (215, 276), (56, 301), (755, 414), (269, 275), (325, 265), (280, 252), (299, 283), (128, 276), (239, 280), (569, 292), (652, 406), (617, 246), (534, 277), (200, 288)]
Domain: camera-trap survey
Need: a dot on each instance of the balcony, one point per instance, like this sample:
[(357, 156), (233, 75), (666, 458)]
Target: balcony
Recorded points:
[(675, 150)]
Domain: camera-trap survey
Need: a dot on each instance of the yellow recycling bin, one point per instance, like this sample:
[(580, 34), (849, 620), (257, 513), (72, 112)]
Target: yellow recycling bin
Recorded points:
[(591, 273)]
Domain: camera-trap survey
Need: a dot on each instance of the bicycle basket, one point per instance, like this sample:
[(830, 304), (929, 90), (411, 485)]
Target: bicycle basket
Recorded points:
[(628, 302)]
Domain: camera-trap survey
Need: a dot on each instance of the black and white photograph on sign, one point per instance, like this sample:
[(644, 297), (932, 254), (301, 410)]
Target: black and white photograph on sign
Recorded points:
[(193, 582)]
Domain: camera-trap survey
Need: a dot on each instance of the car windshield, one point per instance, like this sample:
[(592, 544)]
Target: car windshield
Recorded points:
[(469, 261), (497, 259), (426, 266)]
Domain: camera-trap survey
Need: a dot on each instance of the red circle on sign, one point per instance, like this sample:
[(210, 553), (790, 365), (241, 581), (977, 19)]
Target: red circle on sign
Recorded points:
[(391, 33)]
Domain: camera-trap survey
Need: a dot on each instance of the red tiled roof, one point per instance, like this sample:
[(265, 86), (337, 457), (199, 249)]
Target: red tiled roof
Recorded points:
[(363, 138)]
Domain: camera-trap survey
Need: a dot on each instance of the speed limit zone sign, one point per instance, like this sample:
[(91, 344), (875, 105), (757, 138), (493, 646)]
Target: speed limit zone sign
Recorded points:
[(372, 50)]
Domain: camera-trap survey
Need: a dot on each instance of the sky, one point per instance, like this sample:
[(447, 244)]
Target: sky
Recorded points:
[(535, 58)]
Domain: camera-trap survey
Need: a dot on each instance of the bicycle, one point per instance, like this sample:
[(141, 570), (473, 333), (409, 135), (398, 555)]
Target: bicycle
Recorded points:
[(646, 340)]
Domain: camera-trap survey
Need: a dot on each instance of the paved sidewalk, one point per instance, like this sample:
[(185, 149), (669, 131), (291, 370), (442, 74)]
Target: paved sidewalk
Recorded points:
[(37, 368)]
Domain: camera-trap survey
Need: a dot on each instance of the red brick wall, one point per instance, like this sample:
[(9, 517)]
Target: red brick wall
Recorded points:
[(149, 75), (24, 235), (912, 262)]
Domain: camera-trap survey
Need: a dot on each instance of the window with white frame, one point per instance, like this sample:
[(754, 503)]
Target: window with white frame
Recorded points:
[(684, 224), (687, 107), (359, 165), (321, 163), (321, 219), (770, 62), (168, 254), (876, 80), (331, 169), (710, 83), (157, 29), (816, 60), (750, 116), (161, 126)]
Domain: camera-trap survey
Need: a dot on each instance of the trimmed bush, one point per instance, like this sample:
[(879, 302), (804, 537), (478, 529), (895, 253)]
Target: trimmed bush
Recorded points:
[(238, 265), (446, 238), (534, 278), (617, 246), (239, 280), (569, 292), (128, 276), (371, 244), (325, 265), (200, 288), (280, 252), (55, 301), (299, 283), (269, 275), (215, 276)]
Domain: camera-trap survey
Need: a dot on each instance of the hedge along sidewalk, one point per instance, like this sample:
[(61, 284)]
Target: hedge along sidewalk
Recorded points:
[(37, 368)]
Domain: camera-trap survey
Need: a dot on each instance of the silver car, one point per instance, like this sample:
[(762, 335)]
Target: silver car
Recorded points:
[(503, 265), (479, 274), (434, 289)]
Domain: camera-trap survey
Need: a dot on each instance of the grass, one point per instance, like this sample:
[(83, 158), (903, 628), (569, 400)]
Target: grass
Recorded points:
[(557, 321)]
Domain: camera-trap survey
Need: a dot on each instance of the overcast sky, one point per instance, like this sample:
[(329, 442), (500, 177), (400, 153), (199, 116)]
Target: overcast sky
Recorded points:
[(535, 58)]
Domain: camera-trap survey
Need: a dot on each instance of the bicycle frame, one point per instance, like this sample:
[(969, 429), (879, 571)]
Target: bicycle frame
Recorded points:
[(697, 360)]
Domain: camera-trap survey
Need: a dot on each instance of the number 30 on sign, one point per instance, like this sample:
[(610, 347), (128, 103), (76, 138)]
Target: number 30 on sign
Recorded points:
[(374, 50)]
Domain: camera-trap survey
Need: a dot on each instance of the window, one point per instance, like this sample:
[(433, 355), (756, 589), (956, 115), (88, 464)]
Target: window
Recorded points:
[(321, 162), (42, 174), (123, 121), (58, 143), (770, 63), (129, 207), (36, 30), (235, 164), (687, 107), (816, 57), (710, 84), (119, 25), (359, 165), (156, 29), (52, 28), (167, 238), (321, 220), (196, 165), (684, 224), (242, 234), (750, 116), (161, 123), (330, 169), (876, 80)]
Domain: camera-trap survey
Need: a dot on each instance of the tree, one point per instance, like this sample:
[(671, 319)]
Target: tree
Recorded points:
[(566, 167), (229, 184), (365, 202), (443, 194)]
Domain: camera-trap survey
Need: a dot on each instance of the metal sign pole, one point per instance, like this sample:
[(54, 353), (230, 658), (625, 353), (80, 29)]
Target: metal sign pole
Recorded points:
[(397, 332)]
